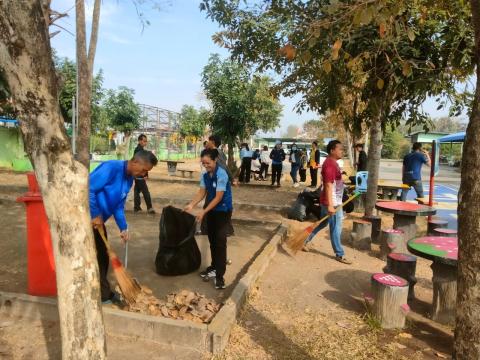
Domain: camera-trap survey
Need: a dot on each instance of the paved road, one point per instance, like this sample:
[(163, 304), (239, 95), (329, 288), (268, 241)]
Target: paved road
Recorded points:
[(445, 191)]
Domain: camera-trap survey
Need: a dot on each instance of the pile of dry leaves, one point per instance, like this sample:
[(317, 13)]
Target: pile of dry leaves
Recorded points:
[(186, 305)]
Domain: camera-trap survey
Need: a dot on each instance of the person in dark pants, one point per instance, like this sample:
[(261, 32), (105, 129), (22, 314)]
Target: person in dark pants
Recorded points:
[(141, 182), (109, 185), (361, 164), (294, 159), (216, 188), (264, 163), (246, 158), (314, 164), (362, 158), (303, 166), (412, 170), (278, 156)]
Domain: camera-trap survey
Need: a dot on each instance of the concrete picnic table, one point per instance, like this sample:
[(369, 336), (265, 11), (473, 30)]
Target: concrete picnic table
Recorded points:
[(405, 215), (443, 251), (172, 166), (390, 189)]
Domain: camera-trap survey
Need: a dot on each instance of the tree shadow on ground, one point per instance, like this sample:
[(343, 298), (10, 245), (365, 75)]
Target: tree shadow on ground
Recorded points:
[(352, 285), (272, 339)]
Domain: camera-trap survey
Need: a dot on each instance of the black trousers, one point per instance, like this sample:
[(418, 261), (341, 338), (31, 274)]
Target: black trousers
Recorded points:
[(263, 169), (276, 173), (141, 187), (218, 223), (314, 176), (245, 170), (103, 260), (303, 174)]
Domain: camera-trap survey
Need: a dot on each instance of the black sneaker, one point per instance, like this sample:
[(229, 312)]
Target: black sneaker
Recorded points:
[(137, 210), (208, 273), (151, 211), (219, 284)]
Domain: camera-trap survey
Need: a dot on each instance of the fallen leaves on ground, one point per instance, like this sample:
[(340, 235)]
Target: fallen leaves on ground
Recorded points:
[(184, 305)]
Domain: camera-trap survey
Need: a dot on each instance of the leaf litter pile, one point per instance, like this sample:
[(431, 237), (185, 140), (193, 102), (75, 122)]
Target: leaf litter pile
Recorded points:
[(184, 305)]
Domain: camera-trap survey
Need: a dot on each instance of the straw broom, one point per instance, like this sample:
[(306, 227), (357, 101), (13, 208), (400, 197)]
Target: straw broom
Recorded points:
[(297, 242), (130, 288)]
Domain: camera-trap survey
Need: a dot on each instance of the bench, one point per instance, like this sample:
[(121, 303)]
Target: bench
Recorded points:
[(425, 201), (183, 172)]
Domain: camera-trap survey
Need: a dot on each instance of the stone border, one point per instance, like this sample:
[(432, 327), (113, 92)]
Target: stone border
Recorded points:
[(236, 205), (201, 337), (222, 323)]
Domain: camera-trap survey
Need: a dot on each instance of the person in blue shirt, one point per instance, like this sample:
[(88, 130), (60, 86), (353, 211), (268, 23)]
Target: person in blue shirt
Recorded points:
[(216, 189), (246, 158), (109, 185), (412, 170)]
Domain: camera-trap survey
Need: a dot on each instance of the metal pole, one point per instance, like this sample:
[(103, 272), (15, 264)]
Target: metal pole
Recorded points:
[(432, 175)]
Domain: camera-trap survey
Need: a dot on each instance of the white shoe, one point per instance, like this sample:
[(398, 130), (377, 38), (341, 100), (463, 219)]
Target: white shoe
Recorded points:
[(295, 185)]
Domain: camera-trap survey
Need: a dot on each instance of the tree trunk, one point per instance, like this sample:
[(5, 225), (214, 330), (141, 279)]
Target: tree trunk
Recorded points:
[(467, 330), (84, 90), (231, 157), (373, 165), (85, 77), (349, 149), (26, 58)]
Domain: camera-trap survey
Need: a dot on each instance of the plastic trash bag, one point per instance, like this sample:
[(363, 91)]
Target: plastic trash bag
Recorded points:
[(178, 252)]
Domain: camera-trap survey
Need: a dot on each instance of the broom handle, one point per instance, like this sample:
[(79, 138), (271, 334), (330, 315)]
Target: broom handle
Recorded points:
[(111, 253), (336, 209)]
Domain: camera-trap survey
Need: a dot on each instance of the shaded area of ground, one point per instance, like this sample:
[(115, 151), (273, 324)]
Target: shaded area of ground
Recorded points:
[(306, 306)]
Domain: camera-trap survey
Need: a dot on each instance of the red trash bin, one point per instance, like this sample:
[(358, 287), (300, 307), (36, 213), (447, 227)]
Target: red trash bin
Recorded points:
[(40, 260)]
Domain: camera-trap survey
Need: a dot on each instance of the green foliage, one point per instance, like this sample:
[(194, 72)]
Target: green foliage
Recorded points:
[(66, 71), (390, 54), (241, 104), (394, 144), (121, 110), (192, 121)]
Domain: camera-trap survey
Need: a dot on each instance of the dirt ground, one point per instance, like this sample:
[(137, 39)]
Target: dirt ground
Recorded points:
[(306, 306)]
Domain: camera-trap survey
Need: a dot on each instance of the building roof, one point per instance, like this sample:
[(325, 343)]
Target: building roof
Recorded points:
[(457, 137)]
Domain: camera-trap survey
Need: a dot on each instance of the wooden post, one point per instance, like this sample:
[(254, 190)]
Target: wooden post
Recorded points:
[(444, 293), (445, 232), (435, 224), (360, 238), (392, 240), (390, 294), (376, 222), (403, 265)]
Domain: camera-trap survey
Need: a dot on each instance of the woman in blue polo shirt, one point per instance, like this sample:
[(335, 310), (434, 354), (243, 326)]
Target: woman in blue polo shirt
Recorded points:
[(216, 188)]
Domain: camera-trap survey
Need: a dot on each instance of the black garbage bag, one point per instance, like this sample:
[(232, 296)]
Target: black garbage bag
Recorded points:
[(178, 252), (298, 211)]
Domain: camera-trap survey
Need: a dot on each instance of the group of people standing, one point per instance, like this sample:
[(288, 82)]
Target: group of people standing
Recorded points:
[(260, 161)]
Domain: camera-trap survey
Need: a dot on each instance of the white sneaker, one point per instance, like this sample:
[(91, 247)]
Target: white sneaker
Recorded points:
[(295, 185)]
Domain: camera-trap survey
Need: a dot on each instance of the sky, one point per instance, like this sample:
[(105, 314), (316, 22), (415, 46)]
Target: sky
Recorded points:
[(163, 61)]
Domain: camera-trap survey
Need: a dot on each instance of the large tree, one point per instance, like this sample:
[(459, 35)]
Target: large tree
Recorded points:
[(67, 73), (26, 62), (241, 103), (392, 53), (193, 122), (467, 330), (85, 61)]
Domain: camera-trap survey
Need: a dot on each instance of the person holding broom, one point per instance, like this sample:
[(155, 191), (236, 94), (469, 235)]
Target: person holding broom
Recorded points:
[(215, 188), (331, 198), (109, 185)]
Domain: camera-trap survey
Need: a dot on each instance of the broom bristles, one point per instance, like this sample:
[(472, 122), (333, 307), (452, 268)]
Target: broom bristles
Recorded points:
[(297, 242), (129, 287)]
